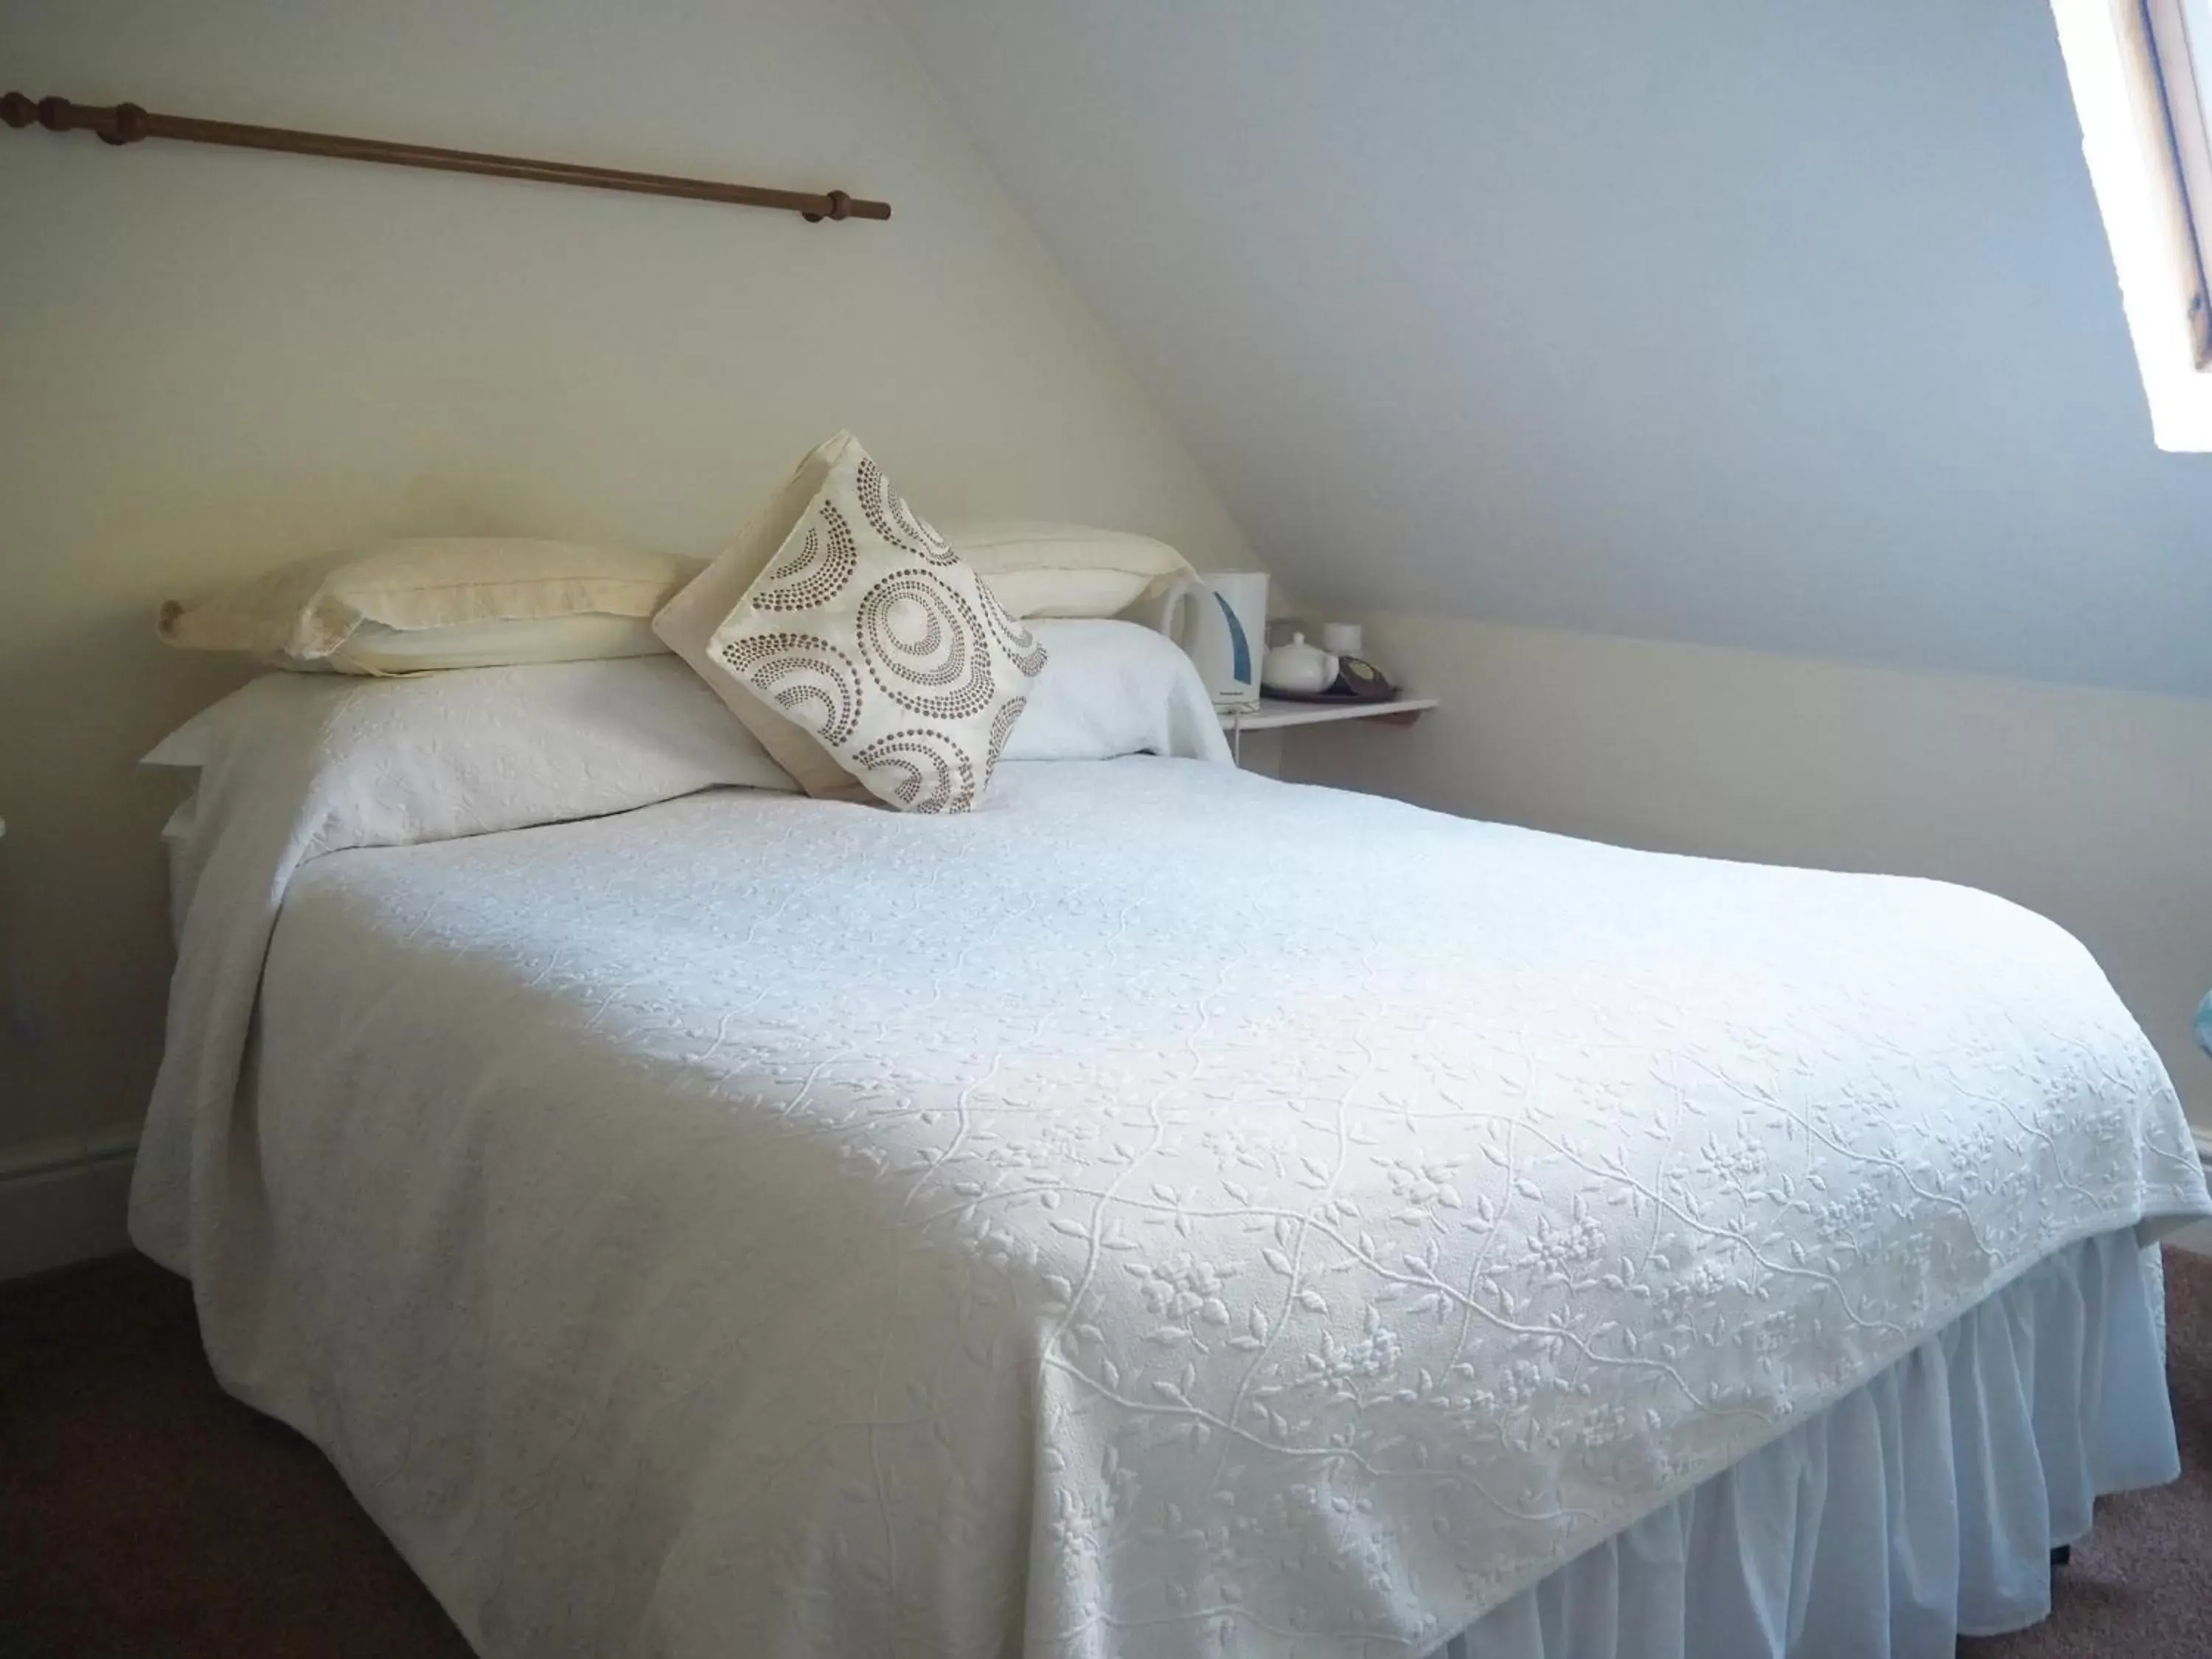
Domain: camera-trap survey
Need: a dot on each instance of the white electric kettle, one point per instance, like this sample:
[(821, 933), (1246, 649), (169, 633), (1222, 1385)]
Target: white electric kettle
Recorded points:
[(1221, 623)]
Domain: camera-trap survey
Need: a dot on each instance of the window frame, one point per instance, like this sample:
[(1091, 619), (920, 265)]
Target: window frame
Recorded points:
[(2141, 158)]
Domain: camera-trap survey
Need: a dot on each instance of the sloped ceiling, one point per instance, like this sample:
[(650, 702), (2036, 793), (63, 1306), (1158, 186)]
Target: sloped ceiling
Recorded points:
[(1783, 326)]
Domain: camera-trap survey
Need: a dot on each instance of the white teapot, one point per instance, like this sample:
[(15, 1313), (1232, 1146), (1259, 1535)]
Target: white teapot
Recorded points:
[(1298, 667)]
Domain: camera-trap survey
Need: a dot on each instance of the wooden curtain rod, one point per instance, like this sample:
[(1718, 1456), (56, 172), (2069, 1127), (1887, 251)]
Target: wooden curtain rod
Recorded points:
[(126, 123)]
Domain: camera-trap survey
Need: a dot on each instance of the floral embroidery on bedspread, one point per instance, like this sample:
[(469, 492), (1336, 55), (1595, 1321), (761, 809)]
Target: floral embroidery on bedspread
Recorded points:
[(1162, 1214)]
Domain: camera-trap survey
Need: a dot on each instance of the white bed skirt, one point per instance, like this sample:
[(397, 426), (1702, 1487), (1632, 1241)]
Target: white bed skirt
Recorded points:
[(1919, 1508)]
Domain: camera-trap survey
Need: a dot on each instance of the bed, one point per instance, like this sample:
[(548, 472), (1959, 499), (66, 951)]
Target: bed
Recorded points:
[(1165, 1212)]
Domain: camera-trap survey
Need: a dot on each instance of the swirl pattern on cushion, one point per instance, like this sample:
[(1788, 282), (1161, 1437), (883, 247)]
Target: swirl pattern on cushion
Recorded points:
[(926, 769), (811, 680), (879, 643), (817, 572), (895, 521), (925, 647), (1002, 727), (1020, 644)]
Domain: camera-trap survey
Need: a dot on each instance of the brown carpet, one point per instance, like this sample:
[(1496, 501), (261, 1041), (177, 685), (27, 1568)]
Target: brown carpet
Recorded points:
[(2140, 1586), (145, 1513)]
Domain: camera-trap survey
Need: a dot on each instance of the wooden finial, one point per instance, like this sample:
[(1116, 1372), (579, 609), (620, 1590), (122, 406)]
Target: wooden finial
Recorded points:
[(17, 110), (128, 127)]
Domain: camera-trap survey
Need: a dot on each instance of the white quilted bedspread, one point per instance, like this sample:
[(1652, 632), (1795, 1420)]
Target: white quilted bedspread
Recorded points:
[(1167, 1212)]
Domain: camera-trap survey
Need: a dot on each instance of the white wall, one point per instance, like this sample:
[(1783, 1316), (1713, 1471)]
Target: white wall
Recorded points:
[(2092, 807), (211, 361), (1789, 326)]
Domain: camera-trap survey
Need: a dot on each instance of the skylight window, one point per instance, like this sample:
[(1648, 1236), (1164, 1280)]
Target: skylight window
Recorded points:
[(2141, 71)]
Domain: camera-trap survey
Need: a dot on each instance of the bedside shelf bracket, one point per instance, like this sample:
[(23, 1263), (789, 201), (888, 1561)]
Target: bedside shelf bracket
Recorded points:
[(1275, 714)]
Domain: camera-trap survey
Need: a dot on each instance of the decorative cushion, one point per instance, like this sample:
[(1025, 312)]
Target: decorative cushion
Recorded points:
[(1039, 570), (304, 614), (867, 633), (687, 622)]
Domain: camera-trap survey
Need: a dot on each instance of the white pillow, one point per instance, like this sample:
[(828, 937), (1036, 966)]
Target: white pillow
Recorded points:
[(304, 613), (1109, 688), (1041, 569), (868, 635), (493, 748), (1114, 688)]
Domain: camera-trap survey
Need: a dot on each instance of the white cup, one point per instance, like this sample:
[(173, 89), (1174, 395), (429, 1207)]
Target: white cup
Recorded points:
[(1342, 638)]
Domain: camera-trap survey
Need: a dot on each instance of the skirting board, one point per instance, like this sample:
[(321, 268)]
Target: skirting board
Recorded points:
[(60, 1203)]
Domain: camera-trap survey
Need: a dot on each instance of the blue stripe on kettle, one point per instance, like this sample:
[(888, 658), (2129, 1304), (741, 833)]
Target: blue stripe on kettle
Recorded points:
[(1240, 652)]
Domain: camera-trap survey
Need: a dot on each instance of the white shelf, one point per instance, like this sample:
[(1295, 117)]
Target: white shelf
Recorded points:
[(1273, 714)]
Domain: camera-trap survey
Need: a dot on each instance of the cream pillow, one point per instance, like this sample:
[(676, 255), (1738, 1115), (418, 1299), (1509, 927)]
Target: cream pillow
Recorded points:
[(1040, 569), (304, 613), (869, 637), (373, 648)]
